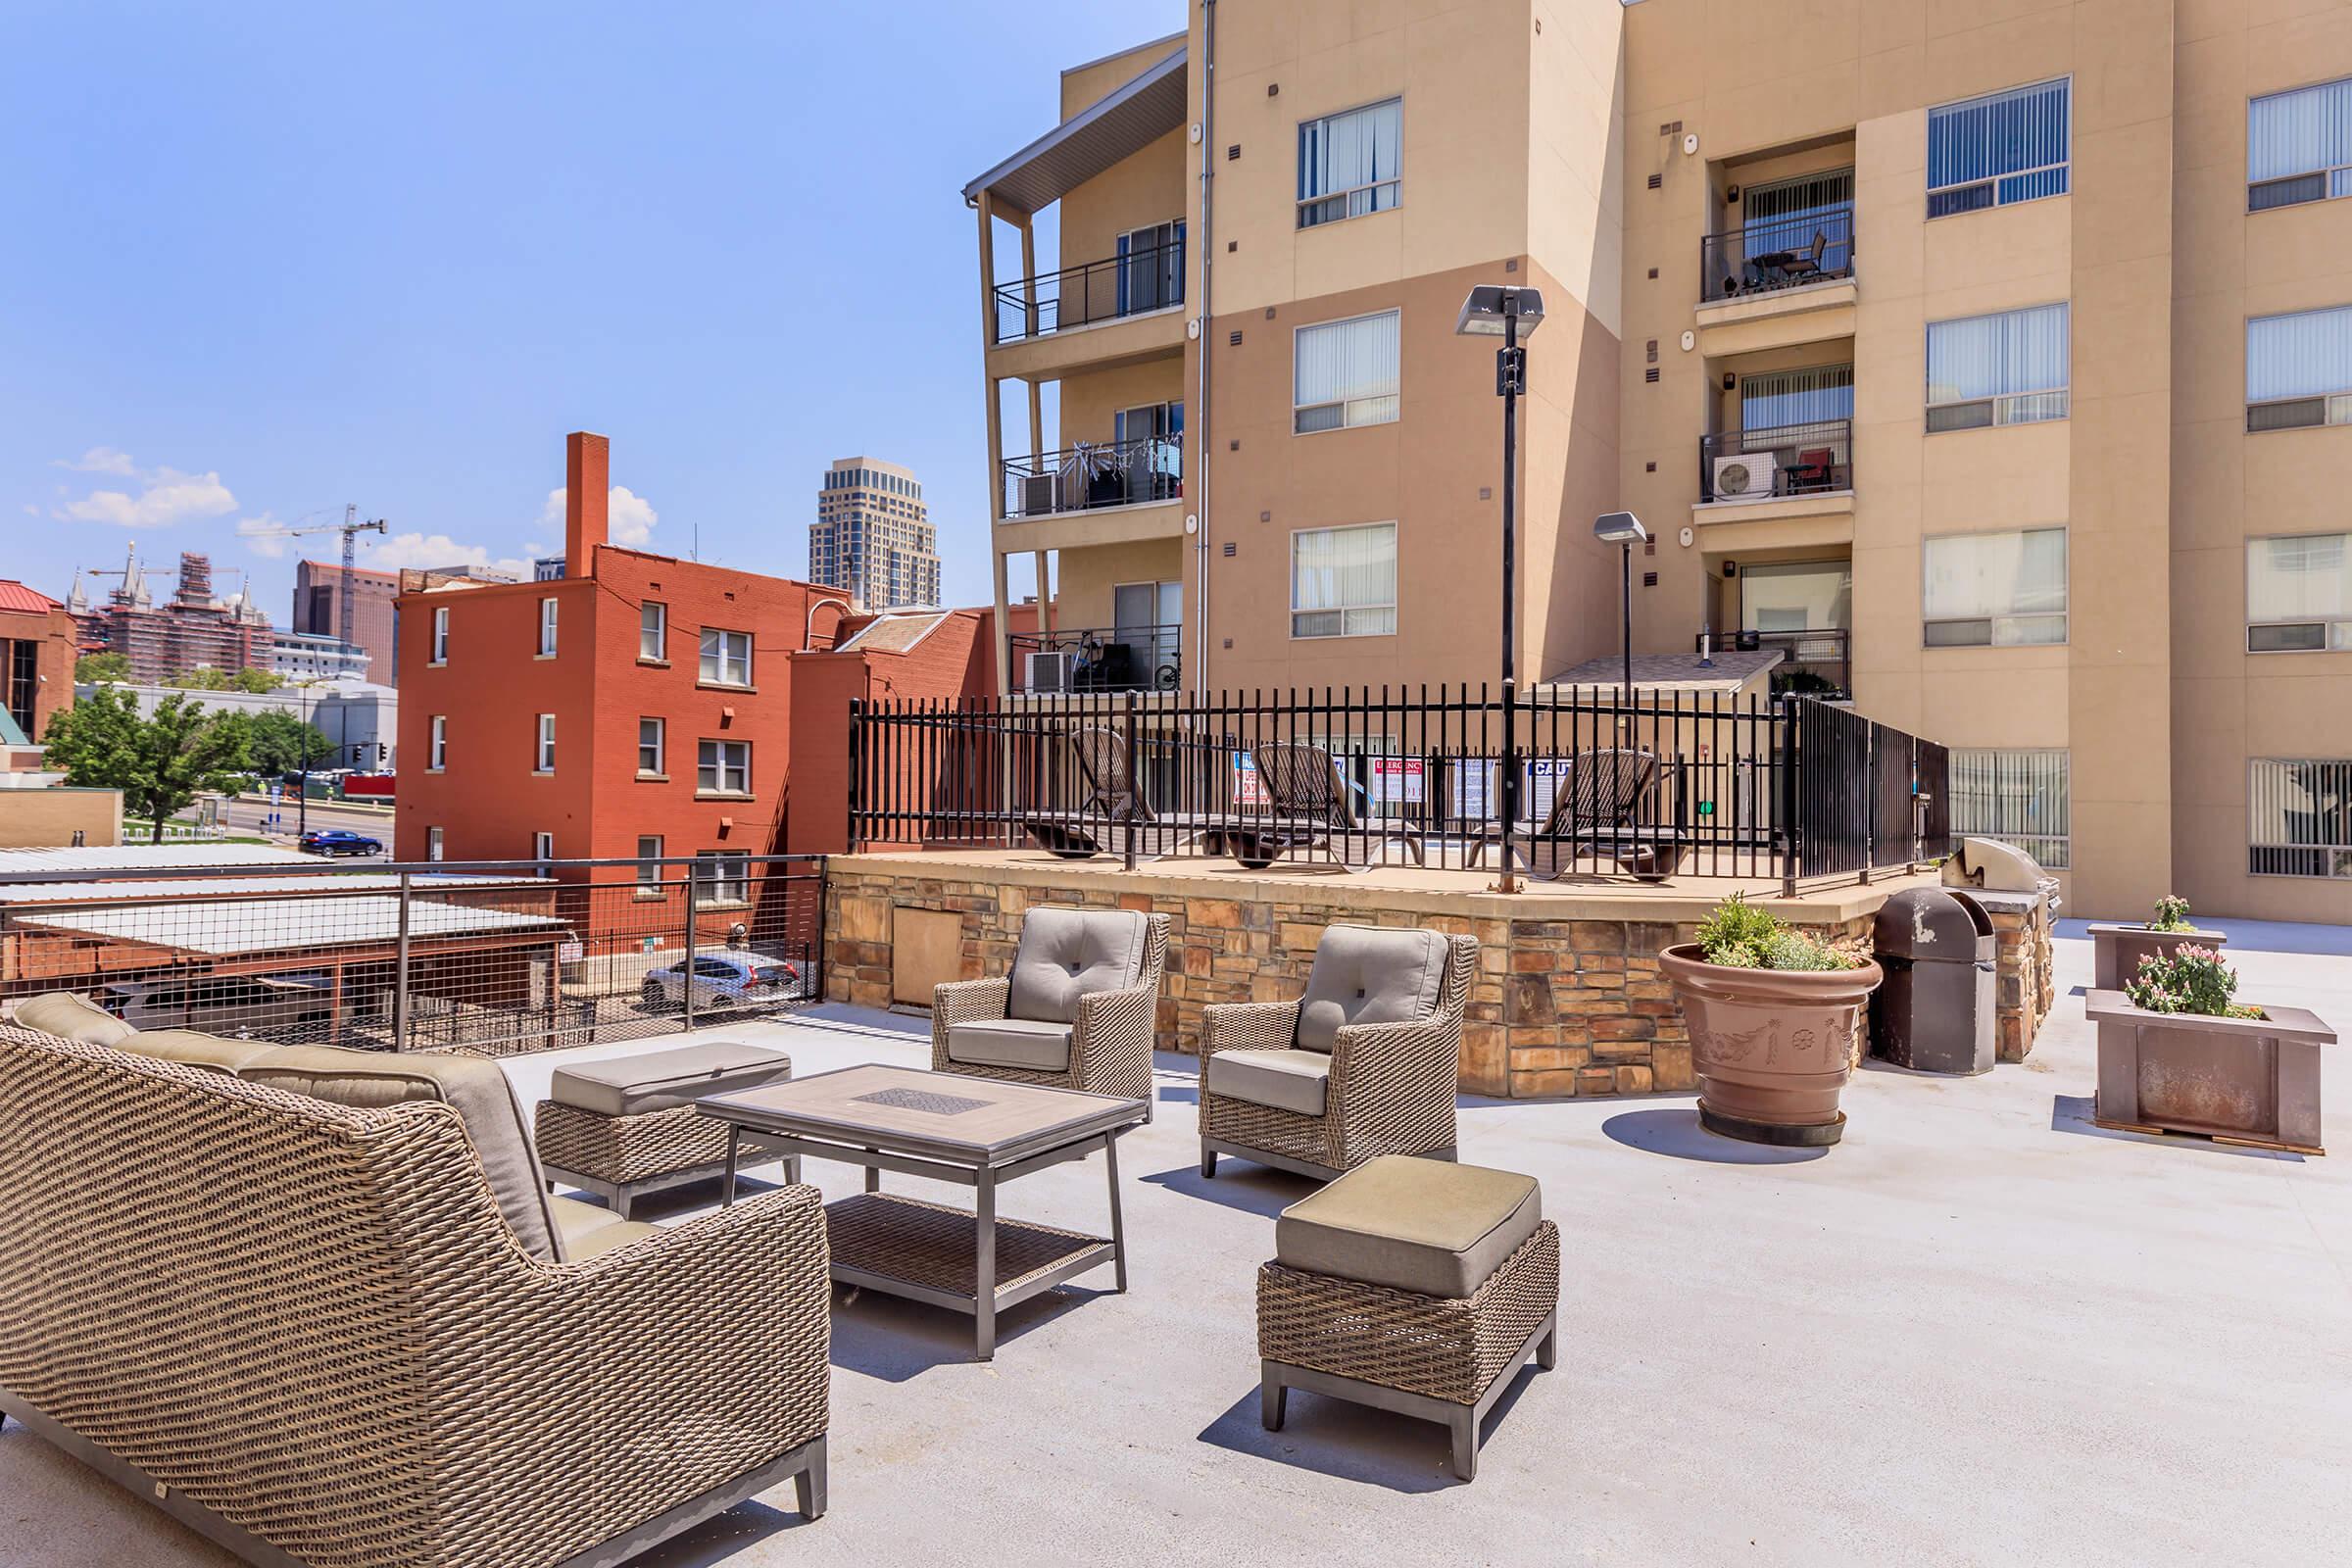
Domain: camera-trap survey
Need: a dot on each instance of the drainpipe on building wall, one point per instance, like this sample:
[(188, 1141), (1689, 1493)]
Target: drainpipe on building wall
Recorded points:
[(1208, 142)]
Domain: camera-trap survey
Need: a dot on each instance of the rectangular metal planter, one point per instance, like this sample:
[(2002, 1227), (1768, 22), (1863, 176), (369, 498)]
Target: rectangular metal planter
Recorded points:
[(2117, 949), (2239, 1080)]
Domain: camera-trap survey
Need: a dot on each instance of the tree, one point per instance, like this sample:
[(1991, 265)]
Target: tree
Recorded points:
[(252, 678), (275, 743), (159, 764), (91, 668)]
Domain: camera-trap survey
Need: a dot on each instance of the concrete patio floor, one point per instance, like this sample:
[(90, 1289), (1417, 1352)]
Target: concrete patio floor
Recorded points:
[(1979, 1331)]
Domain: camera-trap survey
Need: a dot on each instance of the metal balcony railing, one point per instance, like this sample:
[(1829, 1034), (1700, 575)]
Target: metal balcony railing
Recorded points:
[(1818, 663), (1080, 479), (1148, 278), (1778, 253), (1097, 659), (1788, 460)]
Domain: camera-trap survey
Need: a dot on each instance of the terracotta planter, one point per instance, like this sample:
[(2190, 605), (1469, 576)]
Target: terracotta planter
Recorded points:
[(2237, 1080), (2115, 950), (1772, 1048)]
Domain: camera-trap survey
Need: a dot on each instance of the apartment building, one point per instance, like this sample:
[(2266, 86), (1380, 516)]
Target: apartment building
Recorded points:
[(873, 538), (318, 610), (1990, 366)]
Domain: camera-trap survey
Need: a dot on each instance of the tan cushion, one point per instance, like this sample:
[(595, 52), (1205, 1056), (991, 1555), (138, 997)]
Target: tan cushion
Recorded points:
[(1029, 1044), (659, 1080), (1287, 1080), (1420, 1225), (71, 1017), (1369, 975), (194, 1047), (473, 1088), (587, 1229), (1068, 954)]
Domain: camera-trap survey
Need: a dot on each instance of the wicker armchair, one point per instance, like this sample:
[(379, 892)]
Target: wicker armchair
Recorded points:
[(306, 1329), (1366, 1063), (1044, 1024)]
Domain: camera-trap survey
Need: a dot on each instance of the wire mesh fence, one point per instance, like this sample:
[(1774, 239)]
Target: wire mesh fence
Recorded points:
[(492, 958)]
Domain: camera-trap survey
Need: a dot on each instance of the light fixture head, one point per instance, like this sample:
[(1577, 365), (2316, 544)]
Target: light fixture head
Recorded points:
[(1484, 313), (1619, 528)]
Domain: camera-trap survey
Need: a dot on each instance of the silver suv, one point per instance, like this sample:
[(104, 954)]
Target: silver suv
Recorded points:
[(723, 980)]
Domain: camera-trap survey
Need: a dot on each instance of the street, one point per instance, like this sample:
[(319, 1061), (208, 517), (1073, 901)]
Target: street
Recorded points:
[(247, 816)]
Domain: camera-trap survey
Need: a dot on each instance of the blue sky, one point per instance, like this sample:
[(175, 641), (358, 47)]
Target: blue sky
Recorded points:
[(266, 258)]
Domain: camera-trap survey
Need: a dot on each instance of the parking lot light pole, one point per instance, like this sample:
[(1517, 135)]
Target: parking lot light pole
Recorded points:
[(1512, 314)]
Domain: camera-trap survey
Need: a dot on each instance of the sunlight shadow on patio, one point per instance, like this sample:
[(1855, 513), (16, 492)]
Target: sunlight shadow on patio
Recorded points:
[(1676, 1133)]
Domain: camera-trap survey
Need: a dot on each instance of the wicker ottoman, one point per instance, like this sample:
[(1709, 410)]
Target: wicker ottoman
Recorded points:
[(1413, 1285), (627, 1126)]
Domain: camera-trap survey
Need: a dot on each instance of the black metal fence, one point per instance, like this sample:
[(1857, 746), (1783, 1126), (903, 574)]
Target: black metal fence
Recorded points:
[(1778, 253), (1148, 278), (1091, 474), (486, 958), (1669, 783), (1788, 460)]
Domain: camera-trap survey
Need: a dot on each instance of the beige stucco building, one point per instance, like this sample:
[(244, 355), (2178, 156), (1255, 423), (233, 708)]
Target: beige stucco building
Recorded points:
[(1987, 362)]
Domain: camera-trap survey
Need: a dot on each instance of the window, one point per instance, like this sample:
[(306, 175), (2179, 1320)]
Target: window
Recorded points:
[(2017, 797), (437, 749), (440, 634), (1345, 372), (432, 844), (1344, 581), (726, 657), (650, 748), (723, 767), (2299, 369), (2009, 368), (653, 631), (2003, 148), (1995, 590), (2299, 593), (2299, 146), (1150, 278), (649, 865), (547, 628), (1348, 163), (723, 876), (547, 743), (543, 847), (2299, 816)]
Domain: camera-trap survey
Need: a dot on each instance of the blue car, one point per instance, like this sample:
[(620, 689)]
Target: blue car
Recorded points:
[(339, 841)]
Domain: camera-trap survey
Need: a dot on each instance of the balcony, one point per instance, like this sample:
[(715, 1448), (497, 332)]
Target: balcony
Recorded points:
[(1096, 659), (1148, 278), (1790, 461), (1093, 476), (1783, 281), (1816, 662)]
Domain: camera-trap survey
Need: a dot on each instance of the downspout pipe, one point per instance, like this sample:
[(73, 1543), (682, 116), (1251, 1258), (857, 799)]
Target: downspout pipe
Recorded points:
[(1208, 252)]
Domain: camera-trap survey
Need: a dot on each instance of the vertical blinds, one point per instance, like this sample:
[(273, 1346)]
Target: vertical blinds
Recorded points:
[(1344, 568), (1992, 356), (1351, 152), (2305, 579), (2308, 354), (2299, 132), (1350, 362), (1778, 399), (2014, 143), (1979, 576)]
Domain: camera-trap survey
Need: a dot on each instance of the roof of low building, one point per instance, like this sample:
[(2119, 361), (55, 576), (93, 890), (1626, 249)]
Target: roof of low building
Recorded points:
[(24, 601), (98, 889), (241, 926), (1727, 671), (20, 865)]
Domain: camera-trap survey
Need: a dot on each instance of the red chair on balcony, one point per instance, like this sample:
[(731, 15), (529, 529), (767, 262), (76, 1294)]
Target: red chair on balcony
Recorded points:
[(1815, 468)]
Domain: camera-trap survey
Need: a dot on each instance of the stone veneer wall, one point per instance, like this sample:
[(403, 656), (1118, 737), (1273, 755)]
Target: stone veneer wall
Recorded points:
[(2027, 982), (1563, 1006)]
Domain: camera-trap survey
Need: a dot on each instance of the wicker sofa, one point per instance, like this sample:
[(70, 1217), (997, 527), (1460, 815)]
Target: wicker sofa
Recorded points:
[(317, 1306), (1365, 1064)]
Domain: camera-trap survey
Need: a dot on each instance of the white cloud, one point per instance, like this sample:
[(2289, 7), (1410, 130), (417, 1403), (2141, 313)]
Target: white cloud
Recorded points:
[(165, 496), (632, 516), (248, 527), (430, 549)]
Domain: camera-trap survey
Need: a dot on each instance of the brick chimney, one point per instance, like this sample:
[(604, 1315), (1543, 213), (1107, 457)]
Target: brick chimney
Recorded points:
[(587, 500)]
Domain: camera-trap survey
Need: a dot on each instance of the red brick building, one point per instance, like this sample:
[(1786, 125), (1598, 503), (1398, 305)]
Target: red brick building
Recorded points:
[(38, 649)]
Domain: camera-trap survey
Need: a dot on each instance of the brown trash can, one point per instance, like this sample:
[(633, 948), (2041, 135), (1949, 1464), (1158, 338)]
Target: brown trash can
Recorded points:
[(1936, 1012)]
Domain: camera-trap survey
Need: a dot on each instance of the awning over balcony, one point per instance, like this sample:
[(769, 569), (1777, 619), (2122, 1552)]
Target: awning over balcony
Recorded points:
[(1729, 670), (1124, 122)]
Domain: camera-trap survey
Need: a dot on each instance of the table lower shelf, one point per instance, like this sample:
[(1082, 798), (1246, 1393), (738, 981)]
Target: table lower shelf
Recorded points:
[(930, 1252)]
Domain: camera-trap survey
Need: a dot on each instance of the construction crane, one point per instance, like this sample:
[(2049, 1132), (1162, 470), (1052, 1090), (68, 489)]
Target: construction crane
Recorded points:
[(350, 529)]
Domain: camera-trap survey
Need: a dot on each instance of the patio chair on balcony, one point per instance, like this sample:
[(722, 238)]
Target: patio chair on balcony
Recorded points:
[(1597, 810), (1804, 266), (1365, 1064), (1311, 807), (1815, 469), (1078, 1010), (1109, 794)]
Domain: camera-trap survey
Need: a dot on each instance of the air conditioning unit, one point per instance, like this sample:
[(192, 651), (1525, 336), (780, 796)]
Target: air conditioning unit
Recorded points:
[(1049, 671), (1744, 475)]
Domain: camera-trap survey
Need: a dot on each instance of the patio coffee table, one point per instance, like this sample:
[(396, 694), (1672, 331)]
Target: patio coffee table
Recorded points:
[(975, 1132)]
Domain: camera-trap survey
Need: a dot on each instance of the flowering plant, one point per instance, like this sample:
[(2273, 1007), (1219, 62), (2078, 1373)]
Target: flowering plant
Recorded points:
[(2189, 980), (2172, 914)]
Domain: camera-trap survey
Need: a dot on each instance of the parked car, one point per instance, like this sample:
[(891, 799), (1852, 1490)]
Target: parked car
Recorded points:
[(723, 980), (339, 841), (264, 1006)]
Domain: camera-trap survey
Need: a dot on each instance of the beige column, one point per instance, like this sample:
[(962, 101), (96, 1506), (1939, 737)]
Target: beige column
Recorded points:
[(995, 435)]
